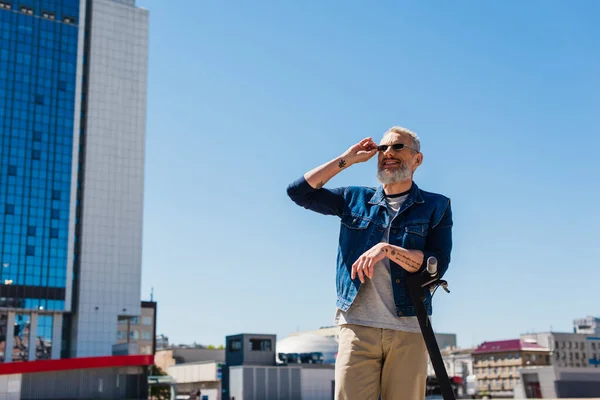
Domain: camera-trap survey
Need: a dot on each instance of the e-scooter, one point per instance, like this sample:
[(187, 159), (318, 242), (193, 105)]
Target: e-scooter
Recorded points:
[(418, 284)]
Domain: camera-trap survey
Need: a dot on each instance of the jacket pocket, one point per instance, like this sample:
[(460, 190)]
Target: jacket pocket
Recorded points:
[(354, 236), (355, 222), (415, 236)]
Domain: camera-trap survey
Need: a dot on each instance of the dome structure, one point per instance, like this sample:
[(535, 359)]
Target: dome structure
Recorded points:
[(307, 348)]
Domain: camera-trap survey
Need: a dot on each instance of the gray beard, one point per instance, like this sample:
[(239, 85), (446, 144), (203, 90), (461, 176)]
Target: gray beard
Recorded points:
[(388, 177)]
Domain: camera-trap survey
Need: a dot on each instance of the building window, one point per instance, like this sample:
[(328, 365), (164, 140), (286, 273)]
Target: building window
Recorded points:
[(62, 85), (12, 170), (37, 136), (134, 335), (35, 154), (235, 345), (135, 321), (147, 335), (39, 99), (55, 214), (56, 195), (9, 209), (260, 344), (20, 350), (30, 250), (31, 231), (146, 320), (69, 20), (54, 233)]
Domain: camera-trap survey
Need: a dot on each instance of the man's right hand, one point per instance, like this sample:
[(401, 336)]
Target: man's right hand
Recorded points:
[(360, 152)]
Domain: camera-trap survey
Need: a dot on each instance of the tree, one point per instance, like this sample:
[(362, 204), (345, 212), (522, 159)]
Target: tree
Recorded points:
[(159, 392)]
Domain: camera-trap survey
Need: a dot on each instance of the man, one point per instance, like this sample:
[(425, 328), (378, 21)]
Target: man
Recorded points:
[(386, 234)]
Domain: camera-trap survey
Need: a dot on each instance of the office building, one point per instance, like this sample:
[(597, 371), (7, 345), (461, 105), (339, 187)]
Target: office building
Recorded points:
[(569, 350), (72, 137), (574, 372), (588, 325)]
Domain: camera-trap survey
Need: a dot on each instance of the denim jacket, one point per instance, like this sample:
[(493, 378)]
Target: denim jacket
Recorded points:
[(424, 222)]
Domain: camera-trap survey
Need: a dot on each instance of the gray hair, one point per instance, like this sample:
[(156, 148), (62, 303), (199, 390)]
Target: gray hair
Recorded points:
[(404, 131)]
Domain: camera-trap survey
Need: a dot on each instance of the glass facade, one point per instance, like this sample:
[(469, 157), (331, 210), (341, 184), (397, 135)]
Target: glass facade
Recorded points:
[(21, 332), (43, 343), (38, 63), (3, 335)]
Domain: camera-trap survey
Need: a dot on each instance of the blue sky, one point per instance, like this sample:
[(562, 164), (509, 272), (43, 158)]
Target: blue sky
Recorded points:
[(244, 97)]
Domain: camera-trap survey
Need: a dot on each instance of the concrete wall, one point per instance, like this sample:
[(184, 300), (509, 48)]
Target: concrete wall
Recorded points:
[(196, 372), (107, 383), (10, 387), (236, 383), (258, 382), (546, 377), (168, 358), (556, 382), (316, 384), (307, 382)]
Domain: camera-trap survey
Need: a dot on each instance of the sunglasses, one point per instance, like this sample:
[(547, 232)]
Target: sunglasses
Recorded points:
[(396, 147)]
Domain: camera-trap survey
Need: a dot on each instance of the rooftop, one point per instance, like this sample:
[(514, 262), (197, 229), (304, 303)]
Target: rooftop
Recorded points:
[(508, 345)]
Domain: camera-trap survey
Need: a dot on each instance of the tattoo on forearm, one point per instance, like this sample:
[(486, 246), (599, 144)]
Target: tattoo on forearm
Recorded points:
[(402, 259), (320, 185), (342, 163)]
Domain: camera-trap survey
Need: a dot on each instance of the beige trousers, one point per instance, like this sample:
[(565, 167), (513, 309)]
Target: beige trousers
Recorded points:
[(375, 362)]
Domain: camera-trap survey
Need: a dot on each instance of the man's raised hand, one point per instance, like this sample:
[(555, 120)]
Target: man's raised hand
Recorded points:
[(360, 152)]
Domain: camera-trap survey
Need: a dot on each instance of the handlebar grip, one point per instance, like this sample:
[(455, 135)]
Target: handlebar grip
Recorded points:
[(432, 265)]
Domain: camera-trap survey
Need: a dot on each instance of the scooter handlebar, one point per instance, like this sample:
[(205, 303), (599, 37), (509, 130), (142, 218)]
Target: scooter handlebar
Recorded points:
[(432, 265)]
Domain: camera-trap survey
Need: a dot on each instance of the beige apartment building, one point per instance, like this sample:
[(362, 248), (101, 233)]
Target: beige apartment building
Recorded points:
[(496, 364), (139, 332)]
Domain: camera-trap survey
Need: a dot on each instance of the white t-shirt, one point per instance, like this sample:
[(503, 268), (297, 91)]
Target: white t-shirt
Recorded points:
[(374, 303)]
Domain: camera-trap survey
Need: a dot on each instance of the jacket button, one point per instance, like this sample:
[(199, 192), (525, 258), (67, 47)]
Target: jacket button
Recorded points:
[(397, 280)]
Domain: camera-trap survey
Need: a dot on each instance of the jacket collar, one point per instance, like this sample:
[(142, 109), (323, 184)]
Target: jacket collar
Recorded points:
[(414, 196)]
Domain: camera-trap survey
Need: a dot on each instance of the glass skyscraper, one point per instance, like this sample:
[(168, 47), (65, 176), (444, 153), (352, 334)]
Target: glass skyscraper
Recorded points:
[(72, 133)]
